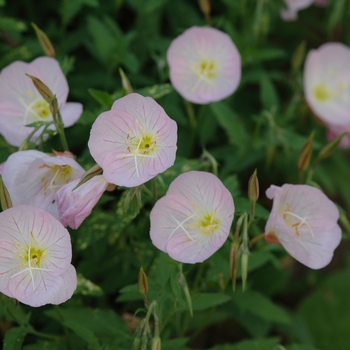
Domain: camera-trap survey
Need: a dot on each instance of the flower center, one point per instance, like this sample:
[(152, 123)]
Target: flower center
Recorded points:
[(295, 222), (38, 110), (206, 69), (322, 92), (146, 144), (57, 176), (207, 224), (42, 109), (32, 258)]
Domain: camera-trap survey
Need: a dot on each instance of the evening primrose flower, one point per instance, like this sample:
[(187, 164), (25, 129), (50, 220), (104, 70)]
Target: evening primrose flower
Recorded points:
[(134, 141), (35, 257), (327, 83), (205, 65), (304, 221), (192, 221), (293, 6), (75, 206), (33, 177), (21, 103)]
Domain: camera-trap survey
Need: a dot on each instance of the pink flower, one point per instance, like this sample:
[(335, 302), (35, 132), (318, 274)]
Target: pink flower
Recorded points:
[(75, 206), (205, 65), (335, 131), (293, 6), (21, 104), (327, 83), (192, 221), (34, 177), (304, 221), (134, 141), (35, 256)]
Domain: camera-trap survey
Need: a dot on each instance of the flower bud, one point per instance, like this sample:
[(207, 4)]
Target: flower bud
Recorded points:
[(205, 6), (235, 255), (89, 174), (143, 282), (305, 154), (136, 344), (244, 263), (44, 41), (253, 187), (298, 56), (43, 90), (330, 147), (5, 199), (156, 343), (125, 82)]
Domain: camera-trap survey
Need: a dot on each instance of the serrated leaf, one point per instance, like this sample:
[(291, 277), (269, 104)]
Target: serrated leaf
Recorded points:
[(14, 338)]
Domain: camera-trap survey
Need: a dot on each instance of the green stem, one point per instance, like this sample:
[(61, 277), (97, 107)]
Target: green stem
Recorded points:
[(191, 115)]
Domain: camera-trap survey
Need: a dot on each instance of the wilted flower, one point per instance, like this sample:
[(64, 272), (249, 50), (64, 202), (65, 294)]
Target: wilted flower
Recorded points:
[(293, 6), (192, 221), (34, 177), (205, 65), (327, 83), (75, 206), (35, 257), (304, 221), (134, 141), (21, 103)]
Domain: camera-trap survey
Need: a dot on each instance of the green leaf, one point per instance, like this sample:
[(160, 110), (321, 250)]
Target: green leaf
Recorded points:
[(14, 338), (258, 344), (156, 91), (175, 344), (69, 9), (243, 205), (253, 55), (230, 121), (129, 293), (203, 301), (11, 24), (301, 347), (259, 305), (102, 97), (86, 287), (331, 302), (84, 333), (268, 93)]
